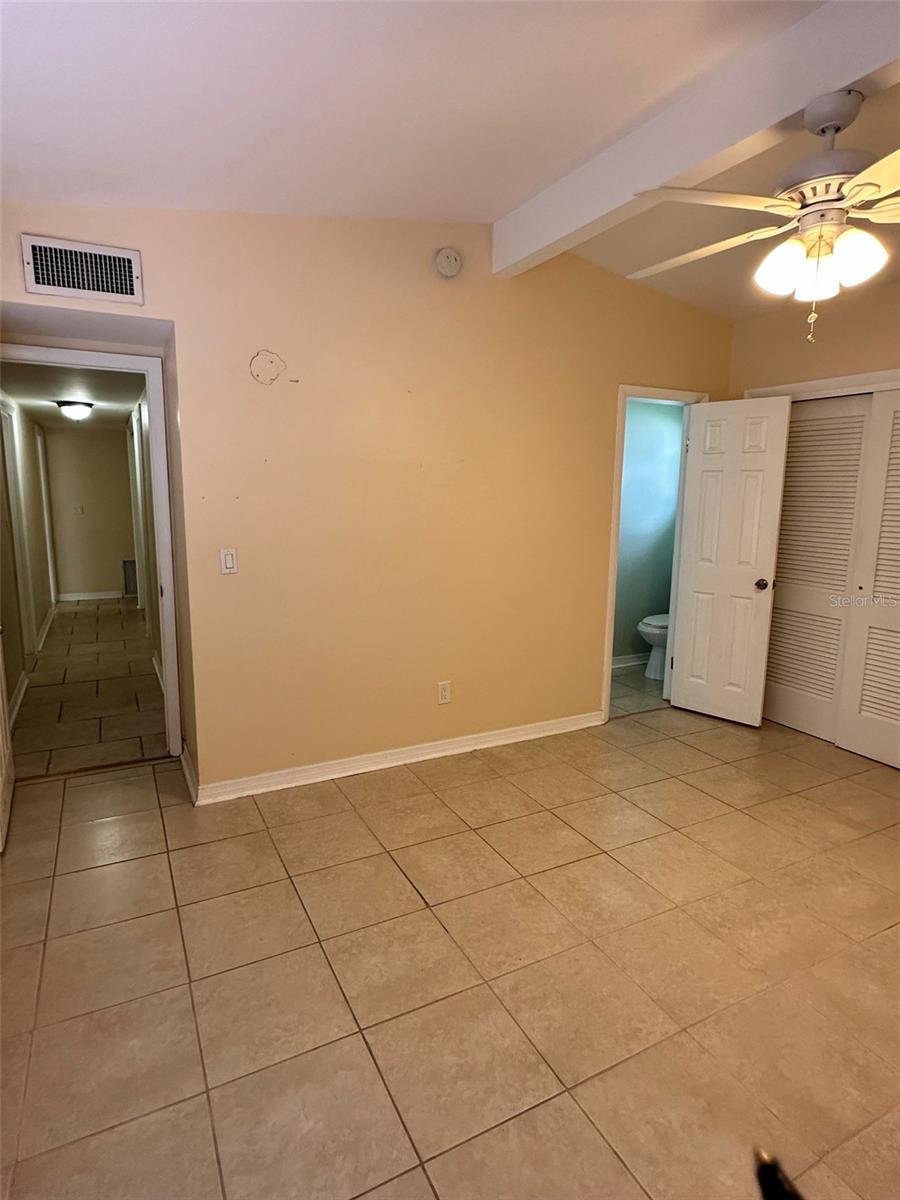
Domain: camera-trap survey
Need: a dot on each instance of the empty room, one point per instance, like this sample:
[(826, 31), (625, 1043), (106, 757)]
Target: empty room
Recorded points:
[(450, 600)]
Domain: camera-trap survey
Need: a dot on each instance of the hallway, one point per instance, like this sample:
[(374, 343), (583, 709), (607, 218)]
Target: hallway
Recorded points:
[(601, 965), (93, 697)]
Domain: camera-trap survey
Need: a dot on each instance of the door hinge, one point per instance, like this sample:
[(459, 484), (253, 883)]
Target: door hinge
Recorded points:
[(687, 444), (672, 663)]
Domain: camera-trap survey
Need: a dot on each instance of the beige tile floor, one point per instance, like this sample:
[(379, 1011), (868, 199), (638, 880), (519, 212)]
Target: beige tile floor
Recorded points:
[(632, 692), (93, 697), (597, 966)]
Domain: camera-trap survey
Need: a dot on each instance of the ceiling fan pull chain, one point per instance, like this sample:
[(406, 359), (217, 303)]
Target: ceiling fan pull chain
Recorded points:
[(813, 315), (811, 321)]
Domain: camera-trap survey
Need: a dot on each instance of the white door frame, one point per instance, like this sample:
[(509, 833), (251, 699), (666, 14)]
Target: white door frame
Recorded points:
[(628, 391), (138, 516), (151, 369), (48, 518), (837, 385), (7, 768), (27, 618)]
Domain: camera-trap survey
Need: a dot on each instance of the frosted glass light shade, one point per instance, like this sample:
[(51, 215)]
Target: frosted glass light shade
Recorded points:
[(74, 410), (779, 271), (858, 255), (818, 278)]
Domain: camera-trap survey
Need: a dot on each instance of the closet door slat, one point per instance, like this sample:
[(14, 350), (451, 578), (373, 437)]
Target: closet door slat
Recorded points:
[(815, 559), (869, 706)]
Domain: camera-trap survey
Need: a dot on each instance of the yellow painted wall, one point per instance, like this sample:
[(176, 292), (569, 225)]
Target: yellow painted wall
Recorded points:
[(431, 500), (857, 332)]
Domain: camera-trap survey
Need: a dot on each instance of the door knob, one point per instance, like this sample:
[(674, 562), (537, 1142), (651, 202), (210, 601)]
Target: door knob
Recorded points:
[(761, 585)]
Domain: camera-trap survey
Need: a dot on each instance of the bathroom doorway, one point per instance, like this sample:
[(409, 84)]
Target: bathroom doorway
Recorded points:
[(640, 619)]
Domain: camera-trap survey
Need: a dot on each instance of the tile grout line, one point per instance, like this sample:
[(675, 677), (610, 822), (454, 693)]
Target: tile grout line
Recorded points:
[(37, 998), (359, 1030), (190, 991), (853, 942)]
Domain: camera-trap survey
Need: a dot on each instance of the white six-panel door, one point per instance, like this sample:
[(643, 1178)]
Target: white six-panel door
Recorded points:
[(869, 706), (734, 472)]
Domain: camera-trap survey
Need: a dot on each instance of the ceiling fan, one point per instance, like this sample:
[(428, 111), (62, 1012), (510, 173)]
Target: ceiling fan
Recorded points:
[(819, 196)]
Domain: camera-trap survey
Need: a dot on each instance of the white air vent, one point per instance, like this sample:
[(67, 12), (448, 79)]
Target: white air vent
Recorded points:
[(57, 268)]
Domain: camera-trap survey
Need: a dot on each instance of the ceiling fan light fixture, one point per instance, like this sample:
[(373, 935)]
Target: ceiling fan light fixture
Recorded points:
[(779, 271), (858, 255), (818, 278)]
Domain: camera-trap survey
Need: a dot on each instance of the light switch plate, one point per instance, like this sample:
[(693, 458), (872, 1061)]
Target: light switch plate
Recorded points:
[(228, 561)]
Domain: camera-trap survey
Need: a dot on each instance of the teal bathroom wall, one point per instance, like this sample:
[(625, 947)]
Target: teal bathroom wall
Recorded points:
[(653, 438)]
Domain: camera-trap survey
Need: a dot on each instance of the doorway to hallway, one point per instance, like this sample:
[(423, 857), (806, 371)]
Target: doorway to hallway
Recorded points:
[(98, 682)]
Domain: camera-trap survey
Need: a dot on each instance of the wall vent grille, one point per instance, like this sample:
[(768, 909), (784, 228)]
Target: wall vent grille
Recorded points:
[(58, 268)]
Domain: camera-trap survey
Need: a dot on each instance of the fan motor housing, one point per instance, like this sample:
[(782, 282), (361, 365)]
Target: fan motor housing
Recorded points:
[(815, 180)]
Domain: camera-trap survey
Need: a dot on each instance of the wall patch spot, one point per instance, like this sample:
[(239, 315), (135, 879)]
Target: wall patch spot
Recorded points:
[(266, 366)]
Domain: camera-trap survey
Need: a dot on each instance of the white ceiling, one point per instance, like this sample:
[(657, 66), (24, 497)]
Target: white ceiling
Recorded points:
[(724, 282), (35, 389), (437, 111)]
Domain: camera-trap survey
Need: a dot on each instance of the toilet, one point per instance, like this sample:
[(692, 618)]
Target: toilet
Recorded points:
[(655, 631)]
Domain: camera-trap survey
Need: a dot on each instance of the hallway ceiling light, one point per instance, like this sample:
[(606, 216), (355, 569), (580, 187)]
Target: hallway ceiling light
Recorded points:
[(75, 410)]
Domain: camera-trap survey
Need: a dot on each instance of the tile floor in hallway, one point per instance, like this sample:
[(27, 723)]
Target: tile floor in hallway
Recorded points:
[(597, 966), (93, 697)]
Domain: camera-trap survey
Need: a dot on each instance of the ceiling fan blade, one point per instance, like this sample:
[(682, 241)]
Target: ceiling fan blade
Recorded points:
[(754, 235), (766, 204), (887, 212), (879, 180)]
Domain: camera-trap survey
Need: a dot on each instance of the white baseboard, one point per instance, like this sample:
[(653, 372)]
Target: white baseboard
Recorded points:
[(190, 773), (15, 700), (272, 781), (45, 628), (90, 596), (623, 661)]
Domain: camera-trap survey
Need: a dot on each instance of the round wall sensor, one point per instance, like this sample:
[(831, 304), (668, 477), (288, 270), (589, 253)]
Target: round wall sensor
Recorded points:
[(447, 262)]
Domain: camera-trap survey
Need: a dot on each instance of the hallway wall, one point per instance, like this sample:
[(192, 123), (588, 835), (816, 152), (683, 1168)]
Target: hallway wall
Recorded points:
[(88, 468)]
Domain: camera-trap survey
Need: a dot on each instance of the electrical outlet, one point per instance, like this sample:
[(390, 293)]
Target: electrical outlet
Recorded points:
[(445, 691)]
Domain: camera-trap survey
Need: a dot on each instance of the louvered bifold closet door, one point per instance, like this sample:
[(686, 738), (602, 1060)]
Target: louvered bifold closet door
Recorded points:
[(869, 710), (820, 514)]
